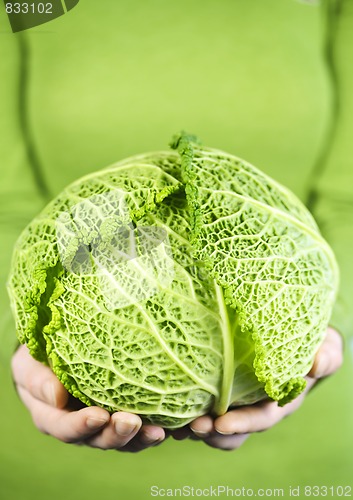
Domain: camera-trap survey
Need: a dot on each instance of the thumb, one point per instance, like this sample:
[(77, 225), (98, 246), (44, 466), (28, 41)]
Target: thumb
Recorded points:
[(38, 379)]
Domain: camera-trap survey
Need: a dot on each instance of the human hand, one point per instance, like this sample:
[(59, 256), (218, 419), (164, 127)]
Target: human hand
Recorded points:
[(230, 430), (49, 404)]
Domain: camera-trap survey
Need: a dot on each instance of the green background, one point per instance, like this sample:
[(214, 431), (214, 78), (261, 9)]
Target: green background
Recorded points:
[(115, 78)]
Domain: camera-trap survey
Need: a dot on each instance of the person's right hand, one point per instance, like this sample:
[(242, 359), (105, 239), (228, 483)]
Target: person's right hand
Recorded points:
[(229, 431), (49, 404)]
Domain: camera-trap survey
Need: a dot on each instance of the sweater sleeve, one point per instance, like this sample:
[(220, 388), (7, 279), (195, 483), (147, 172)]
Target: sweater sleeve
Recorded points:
[(20, 195), (331, 194)]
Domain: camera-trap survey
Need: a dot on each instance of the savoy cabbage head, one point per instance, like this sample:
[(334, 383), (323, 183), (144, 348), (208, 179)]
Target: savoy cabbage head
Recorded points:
[(173, 284)]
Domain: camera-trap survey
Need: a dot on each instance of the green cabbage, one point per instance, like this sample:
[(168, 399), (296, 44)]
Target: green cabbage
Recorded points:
[(173, 284)]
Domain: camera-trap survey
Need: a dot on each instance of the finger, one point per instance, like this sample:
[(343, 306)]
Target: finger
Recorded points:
[(182, 433), (65, 425), (329, 356), (255, 418), (38, 379), (121, 429), (227, 443), (202, 426), (149, 436)]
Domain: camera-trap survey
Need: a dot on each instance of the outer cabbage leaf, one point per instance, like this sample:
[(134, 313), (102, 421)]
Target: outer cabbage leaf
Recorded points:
[(42, 248), (264, 249)]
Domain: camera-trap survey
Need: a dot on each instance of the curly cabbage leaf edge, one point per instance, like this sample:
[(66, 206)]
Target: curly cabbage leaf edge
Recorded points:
[(283, 393)]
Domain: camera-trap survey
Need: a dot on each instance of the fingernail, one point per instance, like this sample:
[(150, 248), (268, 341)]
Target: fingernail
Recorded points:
[(201, 434), (95, 423), (322, 365), (224, 433), (49, 393), (124, 428)]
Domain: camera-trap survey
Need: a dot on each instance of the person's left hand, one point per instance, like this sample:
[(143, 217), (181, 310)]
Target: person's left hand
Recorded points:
[(230, 430), (56, 413)]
